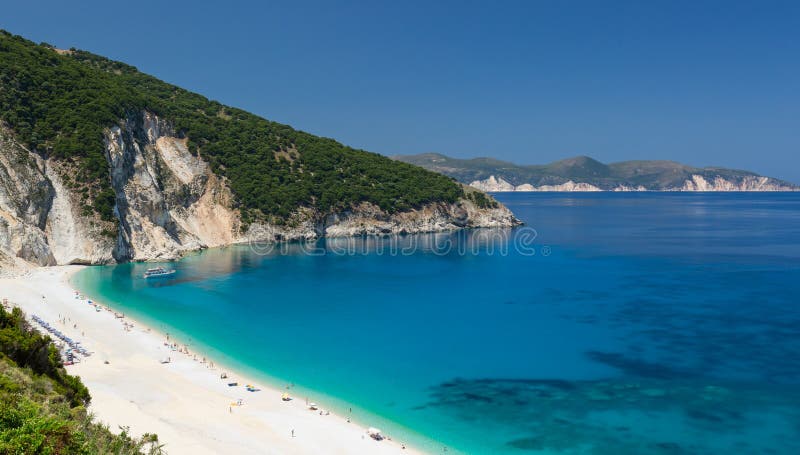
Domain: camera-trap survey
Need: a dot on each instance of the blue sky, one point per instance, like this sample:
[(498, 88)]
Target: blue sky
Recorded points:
[(706, 83)]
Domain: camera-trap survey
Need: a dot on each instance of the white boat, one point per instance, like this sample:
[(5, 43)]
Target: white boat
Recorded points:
[(158, 272)]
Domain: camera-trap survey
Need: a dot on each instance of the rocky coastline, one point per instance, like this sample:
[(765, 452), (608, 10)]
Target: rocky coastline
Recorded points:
[(695, 183), (169, 202)]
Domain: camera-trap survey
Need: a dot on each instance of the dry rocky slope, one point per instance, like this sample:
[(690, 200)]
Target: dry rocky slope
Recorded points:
[(169, 202)]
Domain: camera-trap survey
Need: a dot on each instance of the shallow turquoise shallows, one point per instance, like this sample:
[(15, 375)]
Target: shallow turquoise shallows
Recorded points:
[(609, 324)]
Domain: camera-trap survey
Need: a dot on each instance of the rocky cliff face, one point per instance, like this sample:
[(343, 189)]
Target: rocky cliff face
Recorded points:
[(26, 197), (696, 183), (495, 184), (747, 183), (168, 202)]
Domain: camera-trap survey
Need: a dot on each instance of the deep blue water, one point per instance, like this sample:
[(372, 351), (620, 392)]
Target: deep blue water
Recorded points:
[(611, 323)]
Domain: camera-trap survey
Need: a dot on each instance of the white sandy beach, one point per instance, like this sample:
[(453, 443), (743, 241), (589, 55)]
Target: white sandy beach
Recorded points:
[(185, 402)]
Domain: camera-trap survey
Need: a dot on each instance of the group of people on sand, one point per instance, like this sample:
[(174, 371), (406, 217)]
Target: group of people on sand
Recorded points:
[(174, 346), (184, 349)]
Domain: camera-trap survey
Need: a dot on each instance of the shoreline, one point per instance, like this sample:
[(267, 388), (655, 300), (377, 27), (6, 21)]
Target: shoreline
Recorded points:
[(184, 401)]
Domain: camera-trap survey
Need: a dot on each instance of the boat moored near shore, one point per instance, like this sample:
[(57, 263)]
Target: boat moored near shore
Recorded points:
[(158, 272)]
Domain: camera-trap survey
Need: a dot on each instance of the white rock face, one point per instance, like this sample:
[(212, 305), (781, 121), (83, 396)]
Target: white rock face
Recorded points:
[(168, 202), (748, 183), (697, 183), (368, 219), (494, 184), (630, 188), (568, 186), (71, 237), (25, 195), (40, 220)]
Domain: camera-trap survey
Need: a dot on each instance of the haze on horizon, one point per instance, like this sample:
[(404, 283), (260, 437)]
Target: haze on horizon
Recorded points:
[(704, 83)]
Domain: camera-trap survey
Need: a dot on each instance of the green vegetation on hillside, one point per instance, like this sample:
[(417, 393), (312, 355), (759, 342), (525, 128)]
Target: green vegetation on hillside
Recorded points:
[(42, 408), (481, 199), (59, 104)]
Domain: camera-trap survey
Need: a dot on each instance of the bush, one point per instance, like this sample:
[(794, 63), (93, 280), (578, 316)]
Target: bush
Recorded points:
[(42, 408)]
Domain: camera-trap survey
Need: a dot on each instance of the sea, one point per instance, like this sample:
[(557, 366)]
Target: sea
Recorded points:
[(610, 323)]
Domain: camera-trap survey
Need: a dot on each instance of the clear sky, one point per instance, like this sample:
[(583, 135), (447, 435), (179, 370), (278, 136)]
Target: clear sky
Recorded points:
[(706, 83)]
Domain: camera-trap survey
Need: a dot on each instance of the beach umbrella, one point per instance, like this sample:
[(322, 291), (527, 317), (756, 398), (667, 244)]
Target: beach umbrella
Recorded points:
[(373, 430)]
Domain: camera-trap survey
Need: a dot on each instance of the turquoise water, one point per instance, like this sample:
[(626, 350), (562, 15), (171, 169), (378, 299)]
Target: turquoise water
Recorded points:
[(610, 324)]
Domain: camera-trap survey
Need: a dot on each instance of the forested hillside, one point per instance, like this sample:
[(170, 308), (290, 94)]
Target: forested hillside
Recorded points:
[(59, 102)]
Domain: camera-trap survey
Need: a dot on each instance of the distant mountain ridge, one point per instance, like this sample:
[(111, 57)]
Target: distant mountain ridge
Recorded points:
[(583, 173)]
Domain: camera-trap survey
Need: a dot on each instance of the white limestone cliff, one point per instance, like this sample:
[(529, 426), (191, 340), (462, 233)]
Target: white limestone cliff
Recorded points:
[(696, 183), (747, 183), (495, 184)]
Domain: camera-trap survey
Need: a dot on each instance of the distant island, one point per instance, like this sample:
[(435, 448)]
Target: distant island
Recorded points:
[(583, 173)]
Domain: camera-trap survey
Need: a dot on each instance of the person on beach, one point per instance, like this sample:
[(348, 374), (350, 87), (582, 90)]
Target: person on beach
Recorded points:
[(292, 432)]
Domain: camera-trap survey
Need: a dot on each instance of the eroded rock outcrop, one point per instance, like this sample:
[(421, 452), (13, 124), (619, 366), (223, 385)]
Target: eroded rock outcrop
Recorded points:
[(74, 237), (747, 183), (498, 184), (168, 200), (368, 219), (25, 199)]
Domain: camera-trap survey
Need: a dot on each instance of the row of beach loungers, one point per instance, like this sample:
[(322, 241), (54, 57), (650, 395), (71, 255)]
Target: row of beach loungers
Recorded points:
[(75, 345)]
